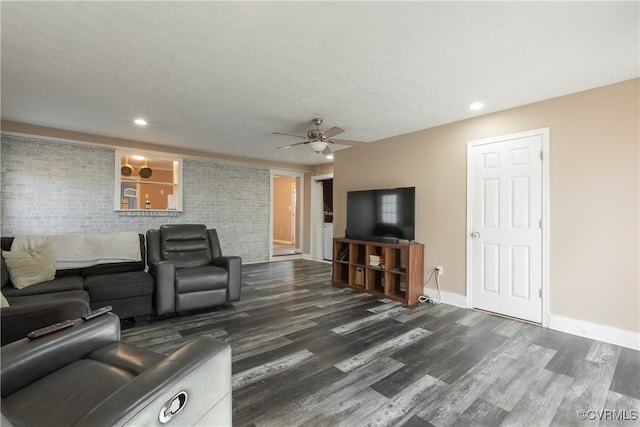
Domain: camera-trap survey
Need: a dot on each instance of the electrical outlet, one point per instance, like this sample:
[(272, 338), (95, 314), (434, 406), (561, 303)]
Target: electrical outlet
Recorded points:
[(440, 270)]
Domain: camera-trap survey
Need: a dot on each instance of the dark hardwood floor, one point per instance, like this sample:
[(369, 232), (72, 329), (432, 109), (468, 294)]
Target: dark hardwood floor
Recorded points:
[(307, 353)]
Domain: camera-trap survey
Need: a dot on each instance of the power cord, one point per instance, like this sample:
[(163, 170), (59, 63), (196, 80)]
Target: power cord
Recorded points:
[(426, 298)]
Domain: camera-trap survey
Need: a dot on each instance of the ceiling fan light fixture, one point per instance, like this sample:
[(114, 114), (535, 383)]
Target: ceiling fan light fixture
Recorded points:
[(317, 146)]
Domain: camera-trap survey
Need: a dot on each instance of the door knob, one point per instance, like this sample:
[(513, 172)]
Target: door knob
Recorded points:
[(475, 235)]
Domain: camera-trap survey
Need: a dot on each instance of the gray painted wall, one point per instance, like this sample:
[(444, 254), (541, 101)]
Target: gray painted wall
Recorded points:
[(51, 187)]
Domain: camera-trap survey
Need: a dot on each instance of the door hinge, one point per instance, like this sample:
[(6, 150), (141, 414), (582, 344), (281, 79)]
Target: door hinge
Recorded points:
[(540, 224), (540, 292), (541, 156)]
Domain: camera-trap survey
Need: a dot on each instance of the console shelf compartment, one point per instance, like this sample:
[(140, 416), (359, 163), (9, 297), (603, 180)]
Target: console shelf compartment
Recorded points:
[(387, 270)]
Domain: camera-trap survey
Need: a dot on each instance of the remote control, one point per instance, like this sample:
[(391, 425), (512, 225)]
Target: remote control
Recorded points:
[(97, 312), (48, 329)]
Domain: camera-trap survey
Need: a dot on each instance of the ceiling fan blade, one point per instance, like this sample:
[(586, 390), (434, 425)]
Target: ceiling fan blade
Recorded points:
[(284, 147), (347, 142), (289, 134), (327, 151), (332, 132)]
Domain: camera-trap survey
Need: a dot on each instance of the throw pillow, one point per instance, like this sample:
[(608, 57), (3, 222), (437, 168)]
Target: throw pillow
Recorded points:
[(27, 268), (3, 301)]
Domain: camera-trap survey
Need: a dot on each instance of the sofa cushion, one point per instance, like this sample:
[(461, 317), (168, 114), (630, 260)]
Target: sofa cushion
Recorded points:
[(28, 268), (116, 286), (136, 307), (61, 284), (3, 301), (52, 298), (4, 273), (118, 267), (203, 278)]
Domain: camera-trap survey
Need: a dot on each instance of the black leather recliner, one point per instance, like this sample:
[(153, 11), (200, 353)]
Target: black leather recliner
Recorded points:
[(189, 269), (85, 376)]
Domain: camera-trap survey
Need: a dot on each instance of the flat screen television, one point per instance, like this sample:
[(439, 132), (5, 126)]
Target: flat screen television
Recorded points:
[(381, 215)]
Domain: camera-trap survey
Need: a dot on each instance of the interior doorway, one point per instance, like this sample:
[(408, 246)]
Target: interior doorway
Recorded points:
[(286, 215)]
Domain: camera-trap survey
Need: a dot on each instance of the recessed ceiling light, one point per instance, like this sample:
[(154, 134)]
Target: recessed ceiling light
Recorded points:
[(138, 157), (140, 122), (330, 156), (476, 106)]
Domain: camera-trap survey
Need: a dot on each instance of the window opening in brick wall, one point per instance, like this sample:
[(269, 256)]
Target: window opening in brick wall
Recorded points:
[(145, 182)]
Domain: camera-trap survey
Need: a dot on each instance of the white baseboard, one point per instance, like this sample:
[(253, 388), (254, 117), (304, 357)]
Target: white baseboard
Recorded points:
[(571, 326), (581, 328), (254, 262), (447, 297), (595, 331)]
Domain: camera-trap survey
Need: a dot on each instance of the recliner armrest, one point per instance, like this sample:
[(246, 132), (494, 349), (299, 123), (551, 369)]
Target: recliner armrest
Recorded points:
[(25, 361), (153, 251), (233, 264), (191, 368), (164, 274), (165, 287), (20, 319)]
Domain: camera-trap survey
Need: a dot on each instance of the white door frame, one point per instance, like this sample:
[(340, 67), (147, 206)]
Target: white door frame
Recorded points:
[(294, 215), (272, 174), (544, 133), (317, 217)]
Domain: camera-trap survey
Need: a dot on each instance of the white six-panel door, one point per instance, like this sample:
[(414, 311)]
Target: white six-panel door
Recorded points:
[(505, 235)]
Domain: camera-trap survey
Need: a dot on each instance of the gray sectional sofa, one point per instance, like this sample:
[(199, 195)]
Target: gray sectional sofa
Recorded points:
[(126, 286)]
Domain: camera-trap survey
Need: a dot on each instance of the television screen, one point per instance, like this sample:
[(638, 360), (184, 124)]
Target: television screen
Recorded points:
[(372, 214)]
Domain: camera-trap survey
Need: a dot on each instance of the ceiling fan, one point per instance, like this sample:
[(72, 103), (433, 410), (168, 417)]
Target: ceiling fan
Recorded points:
[(318, 140)]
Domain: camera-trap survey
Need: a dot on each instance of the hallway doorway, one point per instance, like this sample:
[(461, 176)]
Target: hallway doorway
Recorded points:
[(286, 214)]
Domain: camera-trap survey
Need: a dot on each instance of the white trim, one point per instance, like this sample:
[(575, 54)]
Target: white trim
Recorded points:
[(544, 133), (270, 215), (300, 176), (254, 262), (316, 232), (447, 297), (595, 331), (315, 249), (323, 261), (285, 257), (546, 224)]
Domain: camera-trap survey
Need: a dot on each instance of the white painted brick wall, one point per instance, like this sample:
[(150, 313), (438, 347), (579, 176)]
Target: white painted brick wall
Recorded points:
[(50, 187)]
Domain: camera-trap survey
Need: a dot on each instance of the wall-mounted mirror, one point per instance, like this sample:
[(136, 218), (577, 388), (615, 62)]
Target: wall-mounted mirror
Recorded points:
[(147, 182)]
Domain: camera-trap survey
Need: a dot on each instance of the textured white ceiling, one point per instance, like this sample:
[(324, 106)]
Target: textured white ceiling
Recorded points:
[(221, 76)]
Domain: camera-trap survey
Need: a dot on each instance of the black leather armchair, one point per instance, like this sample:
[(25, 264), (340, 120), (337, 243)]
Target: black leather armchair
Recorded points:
[(85, 376), (189, 269)]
